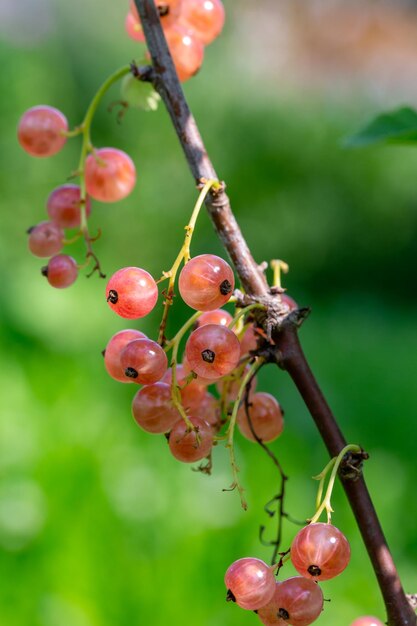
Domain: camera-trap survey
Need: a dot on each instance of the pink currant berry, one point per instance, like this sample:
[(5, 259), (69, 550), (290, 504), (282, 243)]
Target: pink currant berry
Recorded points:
[(250, 583), (367, 620), (45, 239), (63, 206), (289, 302), (212, 351), (250, 340), (110, 175), (206, 282), (134, 28), (266, 417), (204, 18), (132, 292), (61, 271), (143, 361), (169, 10), (218, 316), (297, 601), (41, 131), (185, 445), (320, 551), (114, 349), (191, 393), (153, 410), (186, 50)]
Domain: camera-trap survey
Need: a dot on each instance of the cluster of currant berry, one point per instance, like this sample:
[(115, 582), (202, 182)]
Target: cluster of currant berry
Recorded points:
[(189, 25), (175, 400)]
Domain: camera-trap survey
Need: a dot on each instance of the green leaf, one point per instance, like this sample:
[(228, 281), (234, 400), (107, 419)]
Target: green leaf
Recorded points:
[(394, 127)]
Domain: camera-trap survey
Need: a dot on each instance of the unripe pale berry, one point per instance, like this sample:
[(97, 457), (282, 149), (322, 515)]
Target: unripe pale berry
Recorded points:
[(41, 131), (132, 292), (110, 175)]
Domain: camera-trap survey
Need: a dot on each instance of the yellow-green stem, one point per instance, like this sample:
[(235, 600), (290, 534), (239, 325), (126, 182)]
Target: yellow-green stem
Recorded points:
[(244, 312)]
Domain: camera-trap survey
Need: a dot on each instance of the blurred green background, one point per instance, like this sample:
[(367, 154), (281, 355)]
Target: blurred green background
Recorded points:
[(99, 526)]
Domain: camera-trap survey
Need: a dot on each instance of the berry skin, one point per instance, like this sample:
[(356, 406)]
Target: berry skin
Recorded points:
[(289, 302), (184, 445), (212, 351), (63, 206), (186, 50), (249, 341), (218, 316), (297, 601), (206, 282), (192, 393), (133, 27), (110, 175), (41, 131), (143, 361), (169, 10), (367, 620), (45, 239), (320, 551), (153, 410), (266, 417), (204, 18), (132, 292), (61, 271), (250, 583), (114, 349)]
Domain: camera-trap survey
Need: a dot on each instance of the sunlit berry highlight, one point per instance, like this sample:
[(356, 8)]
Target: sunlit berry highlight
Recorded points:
[(41, 131), (110, 175), (266, 418), (206, 282), (186, 50), (250, 583), (218, 316), (132, 292), (205, 18), (64, 206), (367, 620), (184, 443), (212, 351), (143, 361), (320, 551), (153, 410), (61, 271), (297, 601), (114, 349), (45, 239)]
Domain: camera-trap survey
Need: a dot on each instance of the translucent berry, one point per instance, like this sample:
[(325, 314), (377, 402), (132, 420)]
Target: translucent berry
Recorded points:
[(191, 393), (110, 175), (250, 583), (203, 382), (218, 316), (186, 446), (45, 239), (266, 418), (249, 341), (134, 27), (132, 292), (61, 271), (208, 409), (63, 206), (114, 349), (367, 620), (206, 282), (41, 131), (297, 601), (186, 50), (212, 351), (320, 551), (143, 361), (153, 410), (205, 18)]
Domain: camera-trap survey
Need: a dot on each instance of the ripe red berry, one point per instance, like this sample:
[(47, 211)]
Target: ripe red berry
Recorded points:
[(63, 206), (186, 50), (250, 583), (45, 239), (205, 18), (266, 418), (297, 601), (143, 361), (153, 410), (320, 551), (184, 444), (367, 620), (212, 351), (114, 349), (41, 131), (132, 292), (218, 316), (110, 175), (61, 271), (206, 282)]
